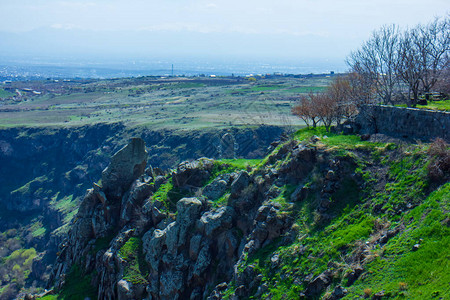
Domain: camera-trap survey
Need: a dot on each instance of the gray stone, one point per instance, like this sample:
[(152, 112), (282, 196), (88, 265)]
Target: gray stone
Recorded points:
[(217, 221), (404, 122), (123, 290), (354, 275), (228, 145), (215, 189), (318, 284), (132, 203), (300, 194), (171, 283), (203, 261), (125, 167), (188, 211), (240, 183), (192, 174), (194, 246)]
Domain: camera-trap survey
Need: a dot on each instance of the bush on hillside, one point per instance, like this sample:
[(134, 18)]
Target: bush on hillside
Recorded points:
[(439, 167)]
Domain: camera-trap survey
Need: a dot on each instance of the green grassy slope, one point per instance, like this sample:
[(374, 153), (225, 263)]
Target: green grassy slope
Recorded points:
[(396, 194)]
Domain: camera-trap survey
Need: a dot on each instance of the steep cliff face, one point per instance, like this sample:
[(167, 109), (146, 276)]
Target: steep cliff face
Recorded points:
[(308, 221), (185, 255), (45, 173)]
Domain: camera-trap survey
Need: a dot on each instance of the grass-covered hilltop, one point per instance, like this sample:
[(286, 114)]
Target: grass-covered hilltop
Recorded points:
[(323, 216)]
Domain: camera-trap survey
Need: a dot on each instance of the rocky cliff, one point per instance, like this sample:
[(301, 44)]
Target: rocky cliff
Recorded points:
[(45, 172), (311, 220)]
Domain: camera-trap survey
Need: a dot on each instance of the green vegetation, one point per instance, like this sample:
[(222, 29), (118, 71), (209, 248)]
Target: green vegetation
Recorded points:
[(443, 105), (396, 178), (424, 273), (338, 141), (67, 206), (136, 269), (102, 243), (77, 286), (37, 230), (241, 163), (5, 94), (15, 269), (437, 105), (306, 89), (28, 187), (168, 195), (174, 103)]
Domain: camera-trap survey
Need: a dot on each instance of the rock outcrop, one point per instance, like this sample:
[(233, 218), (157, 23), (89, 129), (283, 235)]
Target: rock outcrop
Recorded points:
[(187, 246), (126, 166)]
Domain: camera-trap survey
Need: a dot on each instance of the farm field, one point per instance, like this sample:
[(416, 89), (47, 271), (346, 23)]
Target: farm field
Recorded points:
[(158, 102)]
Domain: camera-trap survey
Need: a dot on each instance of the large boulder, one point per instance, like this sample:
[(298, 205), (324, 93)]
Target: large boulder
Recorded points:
[(215, 189), (126, 166), (241, 182), (192, 173)]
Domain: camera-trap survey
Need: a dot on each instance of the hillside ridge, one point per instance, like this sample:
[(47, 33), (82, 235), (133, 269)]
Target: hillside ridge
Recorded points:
[(323, 216)]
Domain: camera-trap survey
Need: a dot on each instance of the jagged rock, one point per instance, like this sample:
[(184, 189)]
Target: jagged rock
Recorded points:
[(194, 246), (123, 290), (275, 260), (227, 244), (203, 261), (261, 290), (314, 139), (125, 167), (188, 212), (269, 224), (215, 295), (39, 267), (378, 296), (222, 286), (319, 284), (192, 174), (240, 183), (300, 194), (132, 201), (228, 145), (158, 181), (301, 163), (215, 189), (337, 293), (354, 275), (171, 284), (331, 175), (214, 222), (388, 235)]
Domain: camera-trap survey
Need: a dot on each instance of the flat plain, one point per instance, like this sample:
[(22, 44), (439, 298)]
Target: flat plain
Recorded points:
[(158, 102)]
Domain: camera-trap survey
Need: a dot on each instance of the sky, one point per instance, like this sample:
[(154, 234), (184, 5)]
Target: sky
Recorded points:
[(325, 30)]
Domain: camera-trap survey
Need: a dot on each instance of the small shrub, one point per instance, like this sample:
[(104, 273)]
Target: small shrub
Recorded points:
[(367, 293), (439, 166), (402, 286)]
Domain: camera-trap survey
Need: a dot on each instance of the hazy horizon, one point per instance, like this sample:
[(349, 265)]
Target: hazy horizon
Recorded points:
[(298, 35)]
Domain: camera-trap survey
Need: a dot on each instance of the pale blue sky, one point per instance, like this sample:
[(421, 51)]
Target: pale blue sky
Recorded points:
[(301, 28)]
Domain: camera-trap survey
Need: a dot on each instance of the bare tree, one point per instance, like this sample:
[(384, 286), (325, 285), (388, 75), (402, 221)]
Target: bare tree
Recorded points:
[(327, 108), (410, 66), (306, 110), (443, 83), (342, 92), (377, 61), (434, 47)]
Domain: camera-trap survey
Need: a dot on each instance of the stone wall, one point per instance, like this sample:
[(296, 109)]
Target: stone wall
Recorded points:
[(404, 122)]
